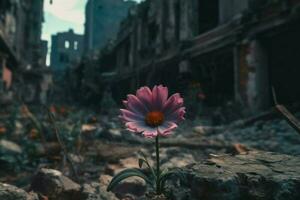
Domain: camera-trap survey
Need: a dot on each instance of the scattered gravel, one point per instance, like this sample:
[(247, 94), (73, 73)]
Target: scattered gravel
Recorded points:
[(273, 135)]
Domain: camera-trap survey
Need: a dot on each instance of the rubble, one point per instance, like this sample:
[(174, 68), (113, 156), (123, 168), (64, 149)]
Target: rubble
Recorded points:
[(256, 175), (108, 149), (10, 154), (9, 147), (54, 185), (94, 191), (9, 192), (272, 135), (206, 130)]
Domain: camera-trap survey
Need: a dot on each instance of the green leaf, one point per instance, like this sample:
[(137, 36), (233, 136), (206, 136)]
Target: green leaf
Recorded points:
[(141, 162), (144, 160), (142, 153), (126, 174), (168, 174)]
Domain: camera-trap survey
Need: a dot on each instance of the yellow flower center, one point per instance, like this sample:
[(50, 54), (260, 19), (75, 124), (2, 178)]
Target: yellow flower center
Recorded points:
[(154, 118)]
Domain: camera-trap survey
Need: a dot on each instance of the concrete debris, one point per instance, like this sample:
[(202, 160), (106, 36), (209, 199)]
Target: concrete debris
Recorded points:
[(273, 135), (10, 147), (256, 175), (9, 192), (55, 185), (205, 130)]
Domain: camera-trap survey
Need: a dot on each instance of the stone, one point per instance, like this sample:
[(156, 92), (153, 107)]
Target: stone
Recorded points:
[(10, 154), (89, 192), (178, 161), (115, 168), (10, 147), (55, 185), (76, 158), (131, 187), (88, 128), (114, 152), (284, 139), (256, 175), (205, 130), (9, 192), (104, 182), (115, 132)]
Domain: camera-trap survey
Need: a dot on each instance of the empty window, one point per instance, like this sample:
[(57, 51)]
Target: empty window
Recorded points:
[(75, 45), (67, 44)]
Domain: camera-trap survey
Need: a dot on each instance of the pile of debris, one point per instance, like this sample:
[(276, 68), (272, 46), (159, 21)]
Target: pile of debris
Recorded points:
[(253, 175), (221, 162), (274, 135)]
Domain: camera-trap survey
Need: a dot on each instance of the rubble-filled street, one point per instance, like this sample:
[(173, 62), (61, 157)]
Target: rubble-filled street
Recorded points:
[(149, 100), (91, 147)]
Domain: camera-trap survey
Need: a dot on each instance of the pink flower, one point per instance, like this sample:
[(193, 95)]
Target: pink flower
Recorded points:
[(152, 113)]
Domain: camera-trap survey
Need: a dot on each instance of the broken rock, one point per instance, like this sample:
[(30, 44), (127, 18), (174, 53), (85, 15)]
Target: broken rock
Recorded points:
[(10, 147), (54, 185), (9, 192), (256, 175), (206, 130)]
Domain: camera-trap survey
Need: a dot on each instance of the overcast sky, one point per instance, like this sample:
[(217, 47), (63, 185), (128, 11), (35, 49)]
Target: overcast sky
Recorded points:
[(63, 15)]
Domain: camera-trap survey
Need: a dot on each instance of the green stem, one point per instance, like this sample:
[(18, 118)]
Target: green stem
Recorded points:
[(157, 167)]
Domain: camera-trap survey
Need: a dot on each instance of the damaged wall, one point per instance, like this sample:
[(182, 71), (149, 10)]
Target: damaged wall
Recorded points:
[(159, 35), (20, 40), (66, 49)]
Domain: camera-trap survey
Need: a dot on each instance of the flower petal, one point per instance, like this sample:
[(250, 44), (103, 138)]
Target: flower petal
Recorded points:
[(145, 101), (150, 133), (145, 96), (137, 126), (125, 103), (177, 115), (160, 96), (135, 105), (172, 104), (129, 116), (166, 128)]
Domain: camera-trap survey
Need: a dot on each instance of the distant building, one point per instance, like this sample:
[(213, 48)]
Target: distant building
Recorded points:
[(66, 50), (103, 18)]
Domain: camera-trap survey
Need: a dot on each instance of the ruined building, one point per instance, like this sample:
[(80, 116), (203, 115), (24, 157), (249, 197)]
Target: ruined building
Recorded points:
[(235, 51), (66, 50), (102, 19), (102, 22), (66, 53), (21, 49)]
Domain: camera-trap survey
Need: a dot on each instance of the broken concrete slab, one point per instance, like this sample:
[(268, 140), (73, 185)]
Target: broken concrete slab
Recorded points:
[(256, 175)]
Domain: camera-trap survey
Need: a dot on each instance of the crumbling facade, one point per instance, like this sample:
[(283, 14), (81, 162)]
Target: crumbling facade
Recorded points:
[(235, 51), (66, 53), (66, 50), (20, 49)]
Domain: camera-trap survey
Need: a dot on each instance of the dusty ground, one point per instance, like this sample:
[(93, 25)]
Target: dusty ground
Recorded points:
[(96, 146)]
